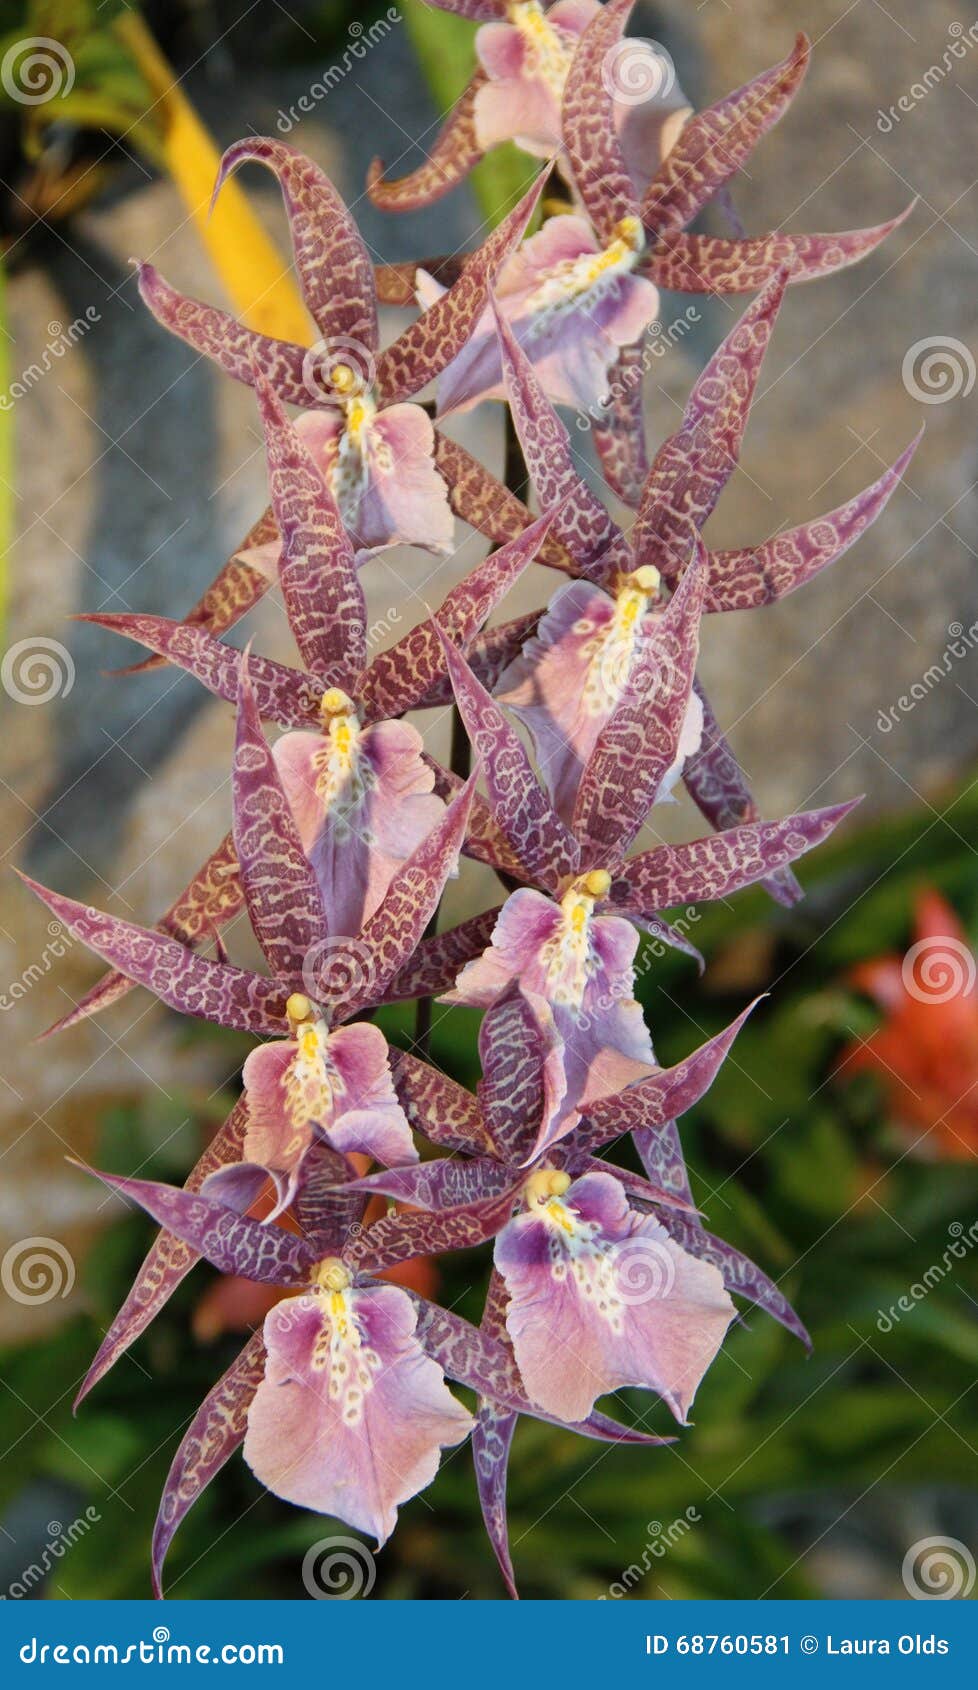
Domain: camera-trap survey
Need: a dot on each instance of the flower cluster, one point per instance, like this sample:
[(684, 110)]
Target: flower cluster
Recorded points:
[(345, 831)]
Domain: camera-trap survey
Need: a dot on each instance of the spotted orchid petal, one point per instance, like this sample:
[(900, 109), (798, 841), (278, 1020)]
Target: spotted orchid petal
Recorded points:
[(721, 863), (694, 465), (618, 426), (489, 507), (448, 1182), (230, 1242), (595, 153), (716, 784), (582, 524), (326, 1208), (214, 991), (351, 1415), (575, 969), (286, 910), (398, 679), (492, 1438), (396, 1237), (215, 1432), (324, 600), (657, 1099), (168, 1262), (642, 740), (363, 801), (283, 695), (335, 270), (210, 900), (601, 1297), (236, 349), (523, 1082), (438, 336), (438, 1107), (716, 143), (355, 972), (395, 283), (569, 678), (536, 834), (685, 263), (456, 150), (755, 575)]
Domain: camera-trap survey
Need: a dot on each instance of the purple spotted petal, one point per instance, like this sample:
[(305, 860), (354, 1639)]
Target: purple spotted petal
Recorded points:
[(486, 505), (694, 465), (722, 863), (210, 900), (618, 426), (216, 334), (318, 574), (214, 991), (448, 1182), (168, 1261), (230, 1242), (535, 832), (423, 350), (213, 1435), (335, 270), (444, 1111), (756, 575), (453, 154), (492, 1438), (283, 695), (397, 1237), (601, 1297), (709, 264), (523, 1082), (716, 143), (594, 151), (641, 741), (284, 905)]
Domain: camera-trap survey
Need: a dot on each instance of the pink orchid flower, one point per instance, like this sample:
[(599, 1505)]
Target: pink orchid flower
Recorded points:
[(318, 1084), (351, 1415), (600, 1296), (363, 800), (575, 968), (572, 305), (569, 678)]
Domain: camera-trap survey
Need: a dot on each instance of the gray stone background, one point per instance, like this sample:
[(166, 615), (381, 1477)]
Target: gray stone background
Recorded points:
[(138, 468)]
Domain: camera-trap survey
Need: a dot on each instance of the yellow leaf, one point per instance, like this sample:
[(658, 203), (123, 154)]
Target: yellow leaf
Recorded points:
[(256, 277)]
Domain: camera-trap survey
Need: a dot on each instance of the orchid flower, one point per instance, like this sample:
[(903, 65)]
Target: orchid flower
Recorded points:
[(525, 49), (375, 451)]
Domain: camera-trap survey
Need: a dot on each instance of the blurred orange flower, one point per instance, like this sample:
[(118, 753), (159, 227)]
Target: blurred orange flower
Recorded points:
[(925, 1053)]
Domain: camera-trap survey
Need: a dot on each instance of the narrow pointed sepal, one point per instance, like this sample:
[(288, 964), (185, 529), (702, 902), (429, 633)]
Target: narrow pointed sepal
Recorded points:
[(214, 991)]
